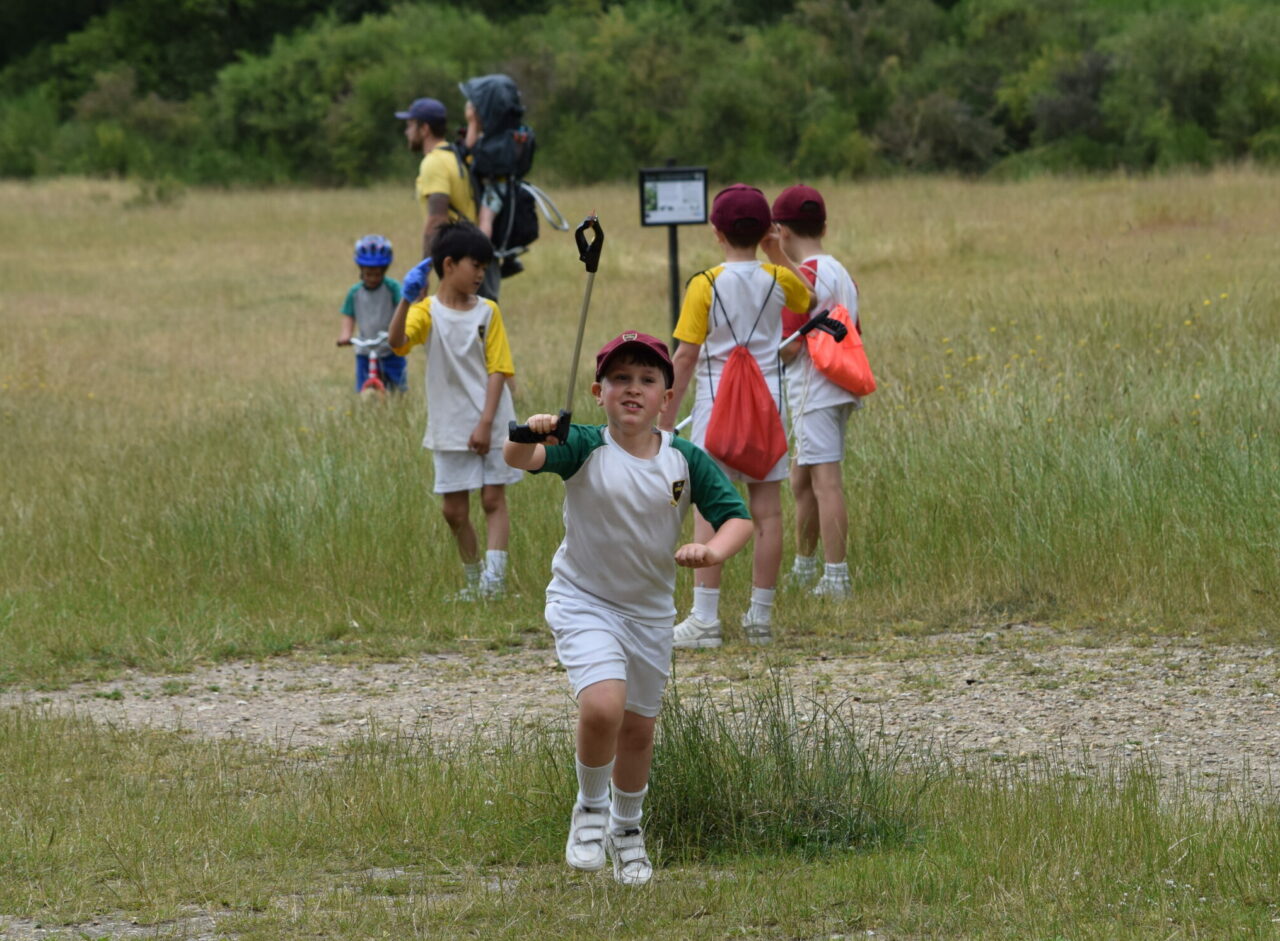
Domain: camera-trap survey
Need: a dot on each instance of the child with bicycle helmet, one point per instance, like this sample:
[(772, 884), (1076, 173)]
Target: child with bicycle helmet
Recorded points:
[(368, 309)]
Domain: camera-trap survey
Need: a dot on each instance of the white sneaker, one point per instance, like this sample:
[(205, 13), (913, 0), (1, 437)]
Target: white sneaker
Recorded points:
[(693, 632), (491, 588), (585, 849), (631, 865), (757, 632), (802, 578), (835, 588)]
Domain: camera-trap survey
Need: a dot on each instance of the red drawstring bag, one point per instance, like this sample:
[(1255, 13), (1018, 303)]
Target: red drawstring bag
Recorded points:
[(745, 430), (844, 362)]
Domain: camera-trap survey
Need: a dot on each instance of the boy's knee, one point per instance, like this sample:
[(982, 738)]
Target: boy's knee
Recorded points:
[(493, 500), (455, 513), (635, 736), (599, 717)]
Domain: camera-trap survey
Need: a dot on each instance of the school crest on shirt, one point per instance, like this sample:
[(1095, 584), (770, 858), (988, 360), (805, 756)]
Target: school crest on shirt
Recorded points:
[(480, 330), (677, 488)]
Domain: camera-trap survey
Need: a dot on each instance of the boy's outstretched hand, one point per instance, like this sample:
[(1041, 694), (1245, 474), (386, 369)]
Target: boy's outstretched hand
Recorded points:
[(695, 555), (545, 425), (532, 457), (732, 535)]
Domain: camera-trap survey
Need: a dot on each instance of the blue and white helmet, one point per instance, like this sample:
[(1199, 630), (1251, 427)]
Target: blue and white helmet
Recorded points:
[(373, 250)]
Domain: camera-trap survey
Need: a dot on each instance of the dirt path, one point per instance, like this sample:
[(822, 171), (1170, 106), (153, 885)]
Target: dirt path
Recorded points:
[(1210, 714)]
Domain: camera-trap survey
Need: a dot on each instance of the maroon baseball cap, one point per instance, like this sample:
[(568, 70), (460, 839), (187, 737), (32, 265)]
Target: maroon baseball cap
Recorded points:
[(630, 338), (799, 203), (741, 210)]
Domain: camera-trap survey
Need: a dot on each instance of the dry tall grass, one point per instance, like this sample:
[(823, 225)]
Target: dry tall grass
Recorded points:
[(1075, 419)]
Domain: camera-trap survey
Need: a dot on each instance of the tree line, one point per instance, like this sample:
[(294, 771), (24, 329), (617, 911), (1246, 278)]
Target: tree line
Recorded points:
[(266, 91)]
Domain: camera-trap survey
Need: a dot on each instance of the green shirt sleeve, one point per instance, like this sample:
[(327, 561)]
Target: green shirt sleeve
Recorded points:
[(349, 305), (713, 494), (565, 459), (396, 293)]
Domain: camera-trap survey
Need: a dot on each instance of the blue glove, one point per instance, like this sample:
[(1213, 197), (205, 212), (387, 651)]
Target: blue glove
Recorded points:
[(416, 280)]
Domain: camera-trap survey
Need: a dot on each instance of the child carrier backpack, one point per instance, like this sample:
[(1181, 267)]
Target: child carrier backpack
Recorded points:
[(745, 429), (500, 161)]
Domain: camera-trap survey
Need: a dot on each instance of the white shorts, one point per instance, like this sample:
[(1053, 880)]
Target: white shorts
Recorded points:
[(466, 470), (820, 434), (702, 418), (594, 643)]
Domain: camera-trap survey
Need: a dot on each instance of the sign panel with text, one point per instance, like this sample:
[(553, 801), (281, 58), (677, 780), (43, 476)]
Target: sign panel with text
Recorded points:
[(673, 196)]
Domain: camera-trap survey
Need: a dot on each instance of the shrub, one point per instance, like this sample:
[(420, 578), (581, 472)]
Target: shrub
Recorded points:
[(28, 125)]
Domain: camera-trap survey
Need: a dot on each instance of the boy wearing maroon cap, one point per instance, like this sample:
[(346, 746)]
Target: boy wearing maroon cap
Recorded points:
[(737, 303), (818, 407), (610, 605)]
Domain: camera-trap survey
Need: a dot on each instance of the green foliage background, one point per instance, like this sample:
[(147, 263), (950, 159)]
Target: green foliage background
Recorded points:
[(219, 91)]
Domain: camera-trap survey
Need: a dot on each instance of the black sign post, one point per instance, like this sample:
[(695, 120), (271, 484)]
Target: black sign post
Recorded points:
[(673, 196)]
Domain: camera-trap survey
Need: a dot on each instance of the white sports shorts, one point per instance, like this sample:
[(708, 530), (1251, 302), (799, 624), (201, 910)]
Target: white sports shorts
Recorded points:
[(820, 434), (594, 643), (466, 470)]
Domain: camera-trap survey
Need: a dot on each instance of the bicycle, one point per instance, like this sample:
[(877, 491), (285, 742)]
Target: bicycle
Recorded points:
[(374, 387)]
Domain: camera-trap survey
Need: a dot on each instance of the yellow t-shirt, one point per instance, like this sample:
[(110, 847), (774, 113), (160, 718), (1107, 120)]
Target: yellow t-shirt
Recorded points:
[(439, 173), (464, 348), (694, 323), (491, 332)]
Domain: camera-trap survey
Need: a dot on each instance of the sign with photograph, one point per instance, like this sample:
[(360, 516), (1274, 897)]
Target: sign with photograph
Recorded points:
[(673, 196)]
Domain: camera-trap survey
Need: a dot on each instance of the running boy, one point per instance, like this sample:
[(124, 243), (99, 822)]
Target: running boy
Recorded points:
[(737, 303), (468, 403), (819, 408), (628, 488), (368, 310)]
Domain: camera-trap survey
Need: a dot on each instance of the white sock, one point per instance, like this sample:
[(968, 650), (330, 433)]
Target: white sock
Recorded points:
[(706, 604), (593, 784), (761, 605), (836, 571), (627, 809), (495, 563), (472, 571), (804, 566)]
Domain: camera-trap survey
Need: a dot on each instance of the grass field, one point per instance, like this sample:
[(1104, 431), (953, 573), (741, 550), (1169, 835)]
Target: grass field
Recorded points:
[(1076, 423), (1075, 420)]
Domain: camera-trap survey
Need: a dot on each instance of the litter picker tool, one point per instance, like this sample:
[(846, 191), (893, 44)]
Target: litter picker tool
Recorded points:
[(589, 255), (821, 322)]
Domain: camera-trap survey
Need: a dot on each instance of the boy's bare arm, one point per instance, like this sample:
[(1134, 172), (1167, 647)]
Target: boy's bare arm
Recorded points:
[(530, 457), (395, 330), (480, 436), (347, 331), (437, 215), (732, 535), (772, 246), (683, 362)]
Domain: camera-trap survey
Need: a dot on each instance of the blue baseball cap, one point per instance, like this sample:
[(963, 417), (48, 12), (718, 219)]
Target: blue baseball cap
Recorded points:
[(425, 111)]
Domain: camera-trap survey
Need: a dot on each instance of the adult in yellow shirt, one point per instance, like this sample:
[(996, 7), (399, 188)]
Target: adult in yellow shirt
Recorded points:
[(443, 187)]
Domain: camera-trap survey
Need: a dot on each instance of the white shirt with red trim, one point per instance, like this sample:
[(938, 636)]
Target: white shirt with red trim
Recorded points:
[(807, 388)]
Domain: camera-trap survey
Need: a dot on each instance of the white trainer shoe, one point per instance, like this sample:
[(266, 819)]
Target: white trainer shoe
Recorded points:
[(802, 577), (491, 589), (631, 865), (693, 633), (585, 848), (757, 632), (834, 588)]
